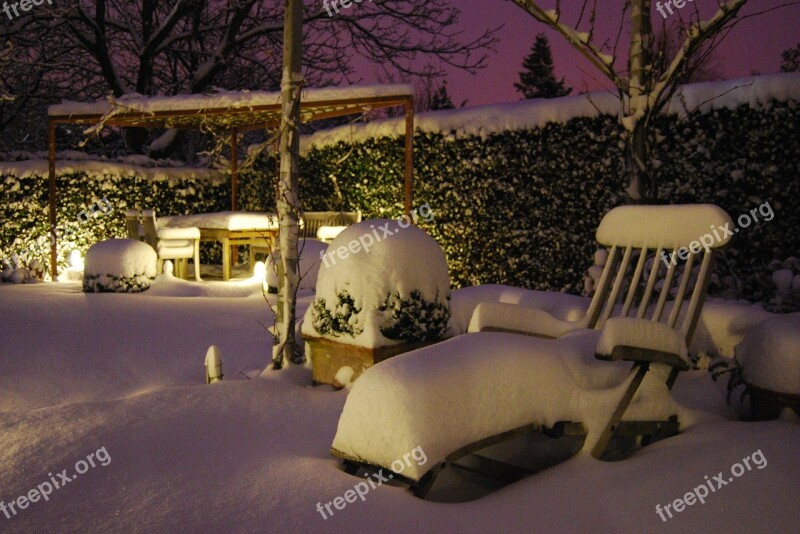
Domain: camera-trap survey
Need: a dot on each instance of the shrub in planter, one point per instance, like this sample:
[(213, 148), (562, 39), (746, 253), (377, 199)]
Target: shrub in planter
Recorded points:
[(382, 289), (119, 266), (769, 356)]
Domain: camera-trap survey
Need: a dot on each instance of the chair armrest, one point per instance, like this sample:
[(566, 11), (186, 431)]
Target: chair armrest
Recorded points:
[(505, 317), (189, 232), (641, 340)]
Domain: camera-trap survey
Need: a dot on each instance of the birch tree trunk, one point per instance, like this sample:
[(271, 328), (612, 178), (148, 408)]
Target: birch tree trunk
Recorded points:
[(641, 186), (288, 202)]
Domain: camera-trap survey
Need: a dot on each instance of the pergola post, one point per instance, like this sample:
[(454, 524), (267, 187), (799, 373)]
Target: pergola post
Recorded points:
[(234, 169), (51, 169), (409, 144)]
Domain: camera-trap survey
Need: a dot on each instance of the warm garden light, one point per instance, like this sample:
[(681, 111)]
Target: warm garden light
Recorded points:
[(76, 260)]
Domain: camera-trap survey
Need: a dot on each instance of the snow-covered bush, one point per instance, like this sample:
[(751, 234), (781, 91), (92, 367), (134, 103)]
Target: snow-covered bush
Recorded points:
[(21, 272), (381, 282), (119, 266)]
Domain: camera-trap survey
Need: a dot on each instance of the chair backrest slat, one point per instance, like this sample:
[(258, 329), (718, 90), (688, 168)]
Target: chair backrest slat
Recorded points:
[(312, 220), (665, 290), (679, 296), (618, 280), (632, 288), (593, 313), (132, 224), (149, 223), (651, 283), (698, 296)]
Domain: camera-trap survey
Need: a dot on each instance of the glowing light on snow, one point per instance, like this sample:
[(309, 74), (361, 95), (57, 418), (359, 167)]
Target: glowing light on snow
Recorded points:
[(76, 260), (260, 271)]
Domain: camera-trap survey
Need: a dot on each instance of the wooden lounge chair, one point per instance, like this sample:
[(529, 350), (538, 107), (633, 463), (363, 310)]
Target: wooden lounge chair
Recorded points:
[(635, 316)]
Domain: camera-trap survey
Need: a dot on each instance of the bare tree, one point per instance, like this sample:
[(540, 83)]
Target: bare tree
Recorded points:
[(644, 89), (96, 47)]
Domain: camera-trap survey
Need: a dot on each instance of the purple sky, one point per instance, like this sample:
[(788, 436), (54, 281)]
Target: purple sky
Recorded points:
[(754, 44)]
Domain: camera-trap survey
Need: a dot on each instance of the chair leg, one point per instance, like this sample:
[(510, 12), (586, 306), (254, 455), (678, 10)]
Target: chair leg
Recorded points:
[(197, 260), (616, 417), (159, 266)]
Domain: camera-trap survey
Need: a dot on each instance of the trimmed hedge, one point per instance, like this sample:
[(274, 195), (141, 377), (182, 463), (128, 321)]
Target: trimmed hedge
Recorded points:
[(25, 230), (521, 207)]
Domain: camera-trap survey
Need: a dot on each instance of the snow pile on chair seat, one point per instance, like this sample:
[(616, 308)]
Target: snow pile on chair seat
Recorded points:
[(769, 354), (640, 333), (666, 226), (120, 266), (449, 395)]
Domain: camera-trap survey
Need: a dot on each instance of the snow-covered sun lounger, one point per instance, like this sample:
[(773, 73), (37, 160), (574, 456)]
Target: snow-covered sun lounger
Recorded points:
[(453, 397)]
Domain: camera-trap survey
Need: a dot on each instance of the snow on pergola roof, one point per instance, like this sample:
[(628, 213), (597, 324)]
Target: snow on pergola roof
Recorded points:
[(229, 109)]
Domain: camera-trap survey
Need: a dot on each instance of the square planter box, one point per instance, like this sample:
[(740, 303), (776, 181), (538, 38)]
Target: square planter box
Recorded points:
[(328, 356)]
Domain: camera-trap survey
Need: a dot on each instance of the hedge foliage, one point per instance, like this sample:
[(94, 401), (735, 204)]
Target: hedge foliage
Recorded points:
[(521, 207), (26, 232)]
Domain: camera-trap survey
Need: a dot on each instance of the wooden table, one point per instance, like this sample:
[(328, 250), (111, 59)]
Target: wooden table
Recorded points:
[(231, 229)]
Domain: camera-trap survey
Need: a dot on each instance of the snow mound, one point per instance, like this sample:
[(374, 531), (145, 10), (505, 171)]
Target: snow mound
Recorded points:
[(670, 227), (380, 282), (448, 395), (770, 354), (119, 265)]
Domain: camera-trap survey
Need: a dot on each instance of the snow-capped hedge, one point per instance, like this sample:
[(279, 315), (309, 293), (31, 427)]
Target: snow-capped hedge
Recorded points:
[(82, 185), (521, 206)]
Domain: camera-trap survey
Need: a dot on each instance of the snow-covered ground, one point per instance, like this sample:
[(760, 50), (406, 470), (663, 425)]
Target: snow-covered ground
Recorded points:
[(121, 376)]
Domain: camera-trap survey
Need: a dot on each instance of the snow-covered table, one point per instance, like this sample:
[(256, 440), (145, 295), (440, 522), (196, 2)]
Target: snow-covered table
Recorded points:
[(231, 229)]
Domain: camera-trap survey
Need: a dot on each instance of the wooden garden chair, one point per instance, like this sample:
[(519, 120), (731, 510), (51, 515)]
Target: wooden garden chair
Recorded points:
[(641, 318)]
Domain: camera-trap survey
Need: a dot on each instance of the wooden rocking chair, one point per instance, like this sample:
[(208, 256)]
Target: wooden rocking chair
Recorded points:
[(641, 318)]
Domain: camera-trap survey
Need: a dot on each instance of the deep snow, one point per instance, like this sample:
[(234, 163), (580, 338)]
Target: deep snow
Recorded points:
[(79, 372)]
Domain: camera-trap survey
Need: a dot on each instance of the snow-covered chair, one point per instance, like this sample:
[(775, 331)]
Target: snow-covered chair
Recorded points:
[(133, 225), (476, 390), (179, 244)]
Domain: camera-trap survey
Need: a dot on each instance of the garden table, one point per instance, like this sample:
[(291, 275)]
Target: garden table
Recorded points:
[(231, 229)]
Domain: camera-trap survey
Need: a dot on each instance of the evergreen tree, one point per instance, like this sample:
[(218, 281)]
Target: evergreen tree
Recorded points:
[(791, 59), (538, 80), (441, 98)]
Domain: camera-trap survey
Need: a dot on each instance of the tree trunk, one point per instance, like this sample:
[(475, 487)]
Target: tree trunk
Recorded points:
[(288, 201)]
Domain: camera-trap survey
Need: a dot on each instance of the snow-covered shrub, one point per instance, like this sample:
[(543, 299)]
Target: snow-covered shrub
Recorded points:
[(119, 266), (381, 282), (17, 271), (785, 285)]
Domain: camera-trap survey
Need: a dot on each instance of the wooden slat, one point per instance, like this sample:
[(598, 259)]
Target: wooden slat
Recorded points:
[(618, 280), (601, 290), (662, 298), (637, 274), (651, 283), (678, 302), (698, 296)]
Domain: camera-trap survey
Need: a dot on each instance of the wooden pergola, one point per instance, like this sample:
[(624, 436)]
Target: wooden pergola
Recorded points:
[(231, 112)]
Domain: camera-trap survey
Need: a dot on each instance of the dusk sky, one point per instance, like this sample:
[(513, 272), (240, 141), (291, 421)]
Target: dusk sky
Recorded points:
[(755, 44)]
